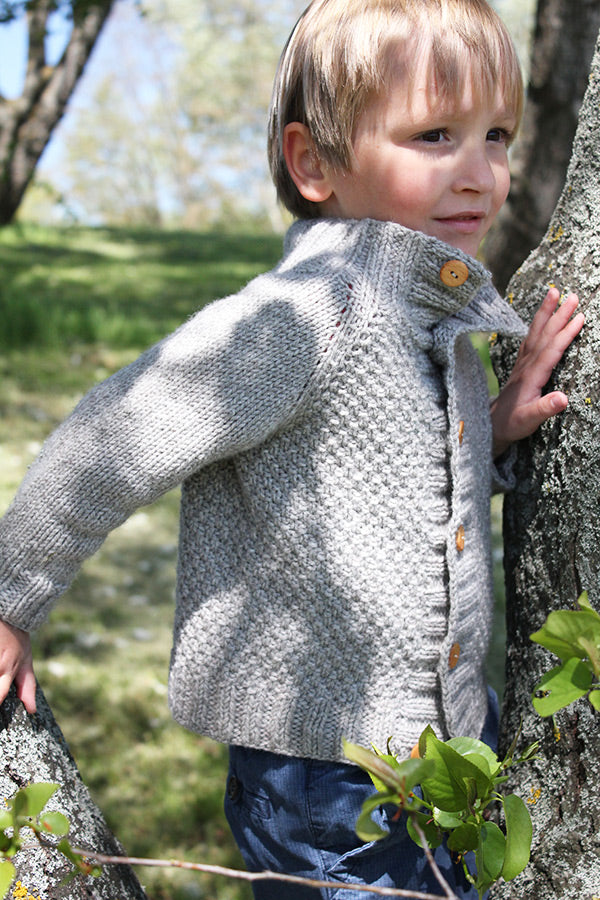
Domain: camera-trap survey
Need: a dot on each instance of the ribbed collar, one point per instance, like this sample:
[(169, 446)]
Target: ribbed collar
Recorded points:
[(399, 261)]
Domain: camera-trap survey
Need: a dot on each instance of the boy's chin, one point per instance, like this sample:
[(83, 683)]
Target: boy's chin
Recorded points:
[(471, 248)]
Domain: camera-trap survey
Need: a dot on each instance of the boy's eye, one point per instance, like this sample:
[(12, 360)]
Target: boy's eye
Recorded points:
[(433, 137), (500, 135)]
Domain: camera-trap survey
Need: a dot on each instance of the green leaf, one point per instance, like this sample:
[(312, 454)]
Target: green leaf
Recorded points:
[(388, 758), (385, 772), (562, 685), (54, 823), (489, 855), (530, 752), (6, 845), (365, 827), (464, 838), (426, 735), (563, 629), (414, 771), (19, 805), (446, 820), (396, 776), (6, 819), (472, 790), (518, 836), (583, 601), (478, 753), (433, 835), (7, 876), (592, 652), (456, 780), (507, 761), (594, 699), (34, 797)]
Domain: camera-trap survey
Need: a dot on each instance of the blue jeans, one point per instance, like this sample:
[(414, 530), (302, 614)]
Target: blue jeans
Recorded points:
[(297, 816)]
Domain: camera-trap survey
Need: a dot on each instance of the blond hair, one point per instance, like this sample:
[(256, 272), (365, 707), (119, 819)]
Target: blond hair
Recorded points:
[(343, 52)]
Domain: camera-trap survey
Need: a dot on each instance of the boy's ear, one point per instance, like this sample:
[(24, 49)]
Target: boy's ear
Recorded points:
[(304, 166)]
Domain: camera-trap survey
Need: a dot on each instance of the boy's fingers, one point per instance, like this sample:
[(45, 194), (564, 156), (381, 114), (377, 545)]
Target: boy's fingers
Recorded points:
[(553, 403), (544, 312), (551, 319), (542, 409), (561, 320), (26, 687), (551, 345), (16, 665), (551, 352)]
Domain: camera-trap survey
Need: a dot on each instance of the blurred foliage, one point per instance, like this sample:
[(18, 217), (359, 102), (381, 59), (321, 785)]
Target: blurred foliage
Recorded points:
[(170, 125)]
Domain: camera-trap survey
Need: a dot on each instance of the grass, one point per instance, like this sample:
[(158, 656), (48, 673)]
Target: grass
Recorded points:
[(76, 304), (121, 287)]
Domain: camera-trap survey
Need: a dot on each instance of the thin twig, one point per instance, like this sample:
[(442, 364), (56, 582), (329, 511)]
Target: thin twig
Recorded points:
[(256, 876), (434, 866)]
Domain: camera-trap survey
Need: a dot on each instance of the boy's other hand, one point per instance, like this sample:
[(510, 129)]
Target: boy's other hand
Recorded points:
[(16, 665), (521, 407)]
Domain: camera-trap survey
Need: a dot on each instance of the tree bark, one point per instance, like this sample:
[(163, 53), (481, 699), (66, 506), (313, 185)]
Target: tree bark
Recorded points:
[(563, 44), (552, 541), (33, 749), (27, 122)]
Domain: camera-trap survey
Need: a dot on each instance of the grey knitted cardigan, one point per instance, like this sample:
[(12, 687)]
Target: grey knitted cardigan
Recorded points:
[(330, 428)]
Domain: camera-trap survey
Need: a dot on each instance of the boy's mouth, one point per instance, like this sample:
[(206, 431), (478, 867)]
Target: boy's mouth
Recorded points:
[(468, 221), (462, 217)]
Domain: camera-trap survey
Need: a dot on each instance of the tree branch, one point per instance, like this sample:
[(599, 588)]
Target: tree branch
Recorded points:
[(104, 860), (27, 122)]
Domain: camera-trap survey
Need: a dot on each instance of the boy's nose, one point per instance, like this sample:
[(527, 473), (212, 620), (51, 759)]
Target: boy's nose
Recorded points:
[(474, 173)]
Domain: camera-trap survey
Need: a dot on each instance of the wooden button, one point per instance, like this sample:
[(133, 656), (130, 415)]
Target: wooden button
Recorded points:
[(454, 273), (454, 655), (461, 431), (460, 538)]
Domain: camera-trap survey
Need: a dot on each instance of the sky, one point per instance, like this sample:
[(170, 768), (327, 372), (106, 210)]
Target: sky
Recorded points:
[(13, 52)]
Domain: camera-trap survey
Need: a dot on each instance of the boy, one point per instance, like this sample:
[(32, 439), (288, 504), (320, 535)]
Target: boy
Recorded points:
[(331, 428)]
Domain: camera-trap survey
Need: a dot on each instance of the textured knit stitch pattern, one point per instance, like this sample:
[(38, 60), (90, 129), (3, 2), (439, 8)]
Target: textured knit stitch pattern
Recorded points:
[(313, 421)]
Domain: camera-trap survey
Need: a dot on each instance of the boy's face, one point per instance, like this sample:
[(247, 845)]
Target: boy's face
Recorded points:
[(437, 167)]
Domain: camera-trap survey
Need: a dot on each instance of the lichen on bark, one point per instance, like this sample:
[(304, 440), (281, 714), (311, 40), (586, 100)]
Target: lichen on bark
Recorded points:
[(33, 749)]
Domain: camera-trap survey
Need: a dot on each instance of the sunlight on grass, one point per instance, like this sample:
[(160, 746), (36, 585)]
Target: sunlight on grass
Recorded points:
[(123, 287)]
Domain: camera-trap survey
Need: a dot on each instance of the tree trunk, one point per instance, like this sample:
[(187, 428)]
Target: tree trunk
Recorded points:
[(33, 749), (552, 541), (563, 43), (26, 123)]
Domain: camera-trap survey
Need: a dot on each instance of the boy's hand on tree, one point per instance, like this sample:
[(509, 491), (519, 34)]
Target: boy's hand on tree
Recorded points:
[(16, 664), (521, 407)]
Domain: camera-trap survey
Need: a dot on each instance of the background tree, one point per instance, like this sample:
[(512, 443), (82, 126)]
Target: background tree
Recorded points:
[(562, 47), (552, 540), (27, 122)]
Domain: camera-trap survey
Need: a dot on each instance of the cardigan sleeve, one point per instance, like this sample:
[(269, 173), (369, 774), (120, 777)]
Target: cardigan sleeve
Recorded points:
[(222, 383)]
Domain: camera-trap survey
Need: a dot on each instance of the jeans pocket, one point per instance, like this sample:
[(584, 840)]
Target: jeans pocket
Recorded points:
[(375, 863), (251, 802)]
